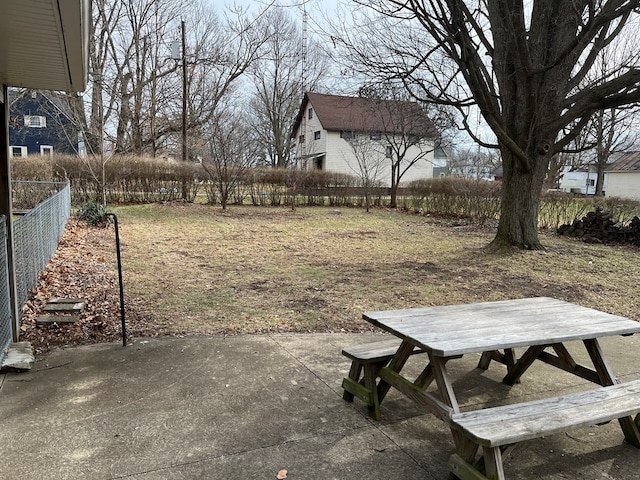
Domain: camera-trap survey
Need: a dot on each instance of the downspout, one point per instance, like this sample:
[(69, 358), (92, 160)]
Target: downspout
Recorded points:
[(6, 208)]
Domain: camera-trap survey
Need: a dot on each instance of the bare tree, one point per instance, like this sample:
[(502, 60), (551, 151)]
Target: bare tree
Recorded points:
[(278, 81), (522, 63), (613, 130), (610, 130), (232, 150), (369, 162), (135, 87), (222, 54), (407, 134)]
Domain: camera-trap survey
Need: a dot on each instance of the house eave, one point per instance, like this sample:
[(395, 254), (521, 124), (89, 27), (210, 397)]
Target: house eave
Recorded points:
[(44, 44)]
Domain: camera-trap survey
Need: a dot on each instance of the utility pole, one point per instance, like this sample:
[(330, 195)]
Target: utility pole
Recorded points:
[(184, 94), (305, 20)]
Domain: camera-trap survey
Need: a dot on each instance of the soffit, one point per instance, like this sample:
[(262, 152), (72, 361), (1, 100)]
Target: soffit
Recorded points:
[(44, 44)]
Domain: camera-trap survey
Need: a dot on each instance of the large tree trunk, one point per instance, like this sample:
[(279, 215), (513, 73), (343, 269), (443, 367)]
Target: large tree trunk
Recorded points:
[(520, 202)]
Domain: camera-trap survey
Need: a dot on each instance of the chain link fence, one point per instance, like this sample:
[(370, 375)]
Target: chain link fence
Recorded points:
[(5, 301), (44, 209)]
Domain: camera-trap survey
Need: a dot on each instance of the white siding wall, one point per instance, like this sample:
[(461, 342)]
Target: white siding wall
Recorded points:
[(341, 159), (310, 146), (624, 185), (423, 168), (339, 156)]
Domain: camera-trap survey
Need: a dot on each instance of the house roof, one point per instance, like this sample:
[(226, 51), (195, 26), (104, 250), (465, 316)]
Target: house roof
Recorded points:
[(626, 162), (358, 114), (44, 44)]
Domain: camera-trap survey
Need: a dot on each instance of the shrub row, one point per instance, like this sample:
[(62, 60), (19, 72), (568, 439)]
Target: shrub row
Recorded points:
[(454, 196), (123, 179)]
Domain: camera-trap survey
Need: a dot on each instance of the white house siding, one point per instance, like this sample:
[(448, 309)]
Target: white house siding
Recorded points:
[(341, 159), (310, 146), (423, 168), (339, 156), (624, 184)]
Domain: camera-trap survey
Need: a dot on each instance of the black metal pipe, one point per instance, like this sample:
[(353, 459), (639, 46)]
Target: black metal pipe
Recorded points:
[(122, 315)]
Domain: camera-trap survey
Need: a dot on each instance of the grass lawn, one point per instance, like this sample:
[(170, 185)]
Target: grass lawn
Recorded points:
[(198, 269)]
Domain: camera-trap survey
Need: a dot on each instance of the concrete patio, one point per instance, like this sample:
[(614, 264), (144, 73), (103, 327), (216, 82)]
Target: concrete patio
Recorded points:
[(247, 407)]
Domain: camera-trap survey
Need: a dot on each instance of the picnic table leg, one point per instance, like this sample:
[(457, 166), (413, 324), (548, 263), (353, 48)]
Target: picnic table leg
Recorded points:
[(354, 374), (397, 362), (494, 469), (426, 377), (445, 388), (462, 464), (370, 377), (448, 396), (485, 360), (508, 358), (628, 424), (521, 366)]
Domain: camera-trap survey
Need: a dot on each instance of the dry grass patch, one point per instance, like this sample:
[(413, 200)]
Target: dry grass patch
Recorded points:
[(196, 269), (203, 270)]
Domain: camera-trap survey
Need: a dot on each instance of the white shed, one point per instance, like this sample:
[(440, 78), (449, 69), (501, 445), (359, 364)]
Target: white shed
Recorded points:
[(624, 176)]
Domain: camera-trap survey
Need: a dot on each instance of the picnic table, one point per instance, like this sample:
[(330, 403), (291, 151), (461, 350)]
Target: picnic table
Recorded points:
[(539, 328)]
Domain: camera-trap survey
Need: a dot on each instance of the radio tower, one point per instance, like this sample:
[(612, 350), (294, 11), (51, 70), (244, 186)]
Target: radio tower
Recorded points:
[(304, 47)]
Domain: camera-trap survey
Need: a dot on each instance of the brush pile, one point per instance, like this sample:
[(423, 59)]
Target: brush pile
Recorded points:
[(600, 227)]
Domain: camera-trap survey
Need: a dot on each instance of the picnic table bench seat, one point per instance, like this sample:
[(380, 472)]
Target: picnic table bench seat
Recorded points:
[(498, 427), (366, 361)]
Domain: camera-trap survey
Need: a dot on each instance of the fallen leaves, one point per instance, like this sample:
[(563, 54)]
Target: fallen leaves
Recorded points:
[(282, 474), (84, 266)]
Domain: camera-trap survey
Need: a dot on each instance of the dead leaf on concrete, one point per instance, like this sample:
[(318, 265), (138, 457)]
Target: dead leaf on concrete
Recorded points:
[(282, 474)]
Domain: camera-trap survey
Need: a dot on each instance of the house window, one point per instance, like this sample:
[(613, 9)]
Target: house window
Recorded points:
[(316, 135), (375, 136), (301, 139), (389, 151), (18, 151), (347, 135), (592, 182), (310, 113), (35, 121), (46, 150)]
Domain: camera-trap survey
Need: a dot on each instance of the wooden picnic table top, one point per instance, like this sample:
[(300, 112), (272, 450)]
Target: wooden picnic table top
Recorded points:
[(481, 327)]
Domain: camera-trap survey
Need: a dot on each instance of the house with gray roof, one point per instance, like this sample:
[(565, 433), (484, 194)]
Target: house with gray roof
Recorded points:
[(326, 126), (623, 176)]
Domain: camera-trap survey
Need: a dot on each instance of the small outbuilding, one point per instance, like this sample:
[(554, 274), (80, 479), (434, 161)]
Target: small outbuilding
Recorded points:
[(623, 176)]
